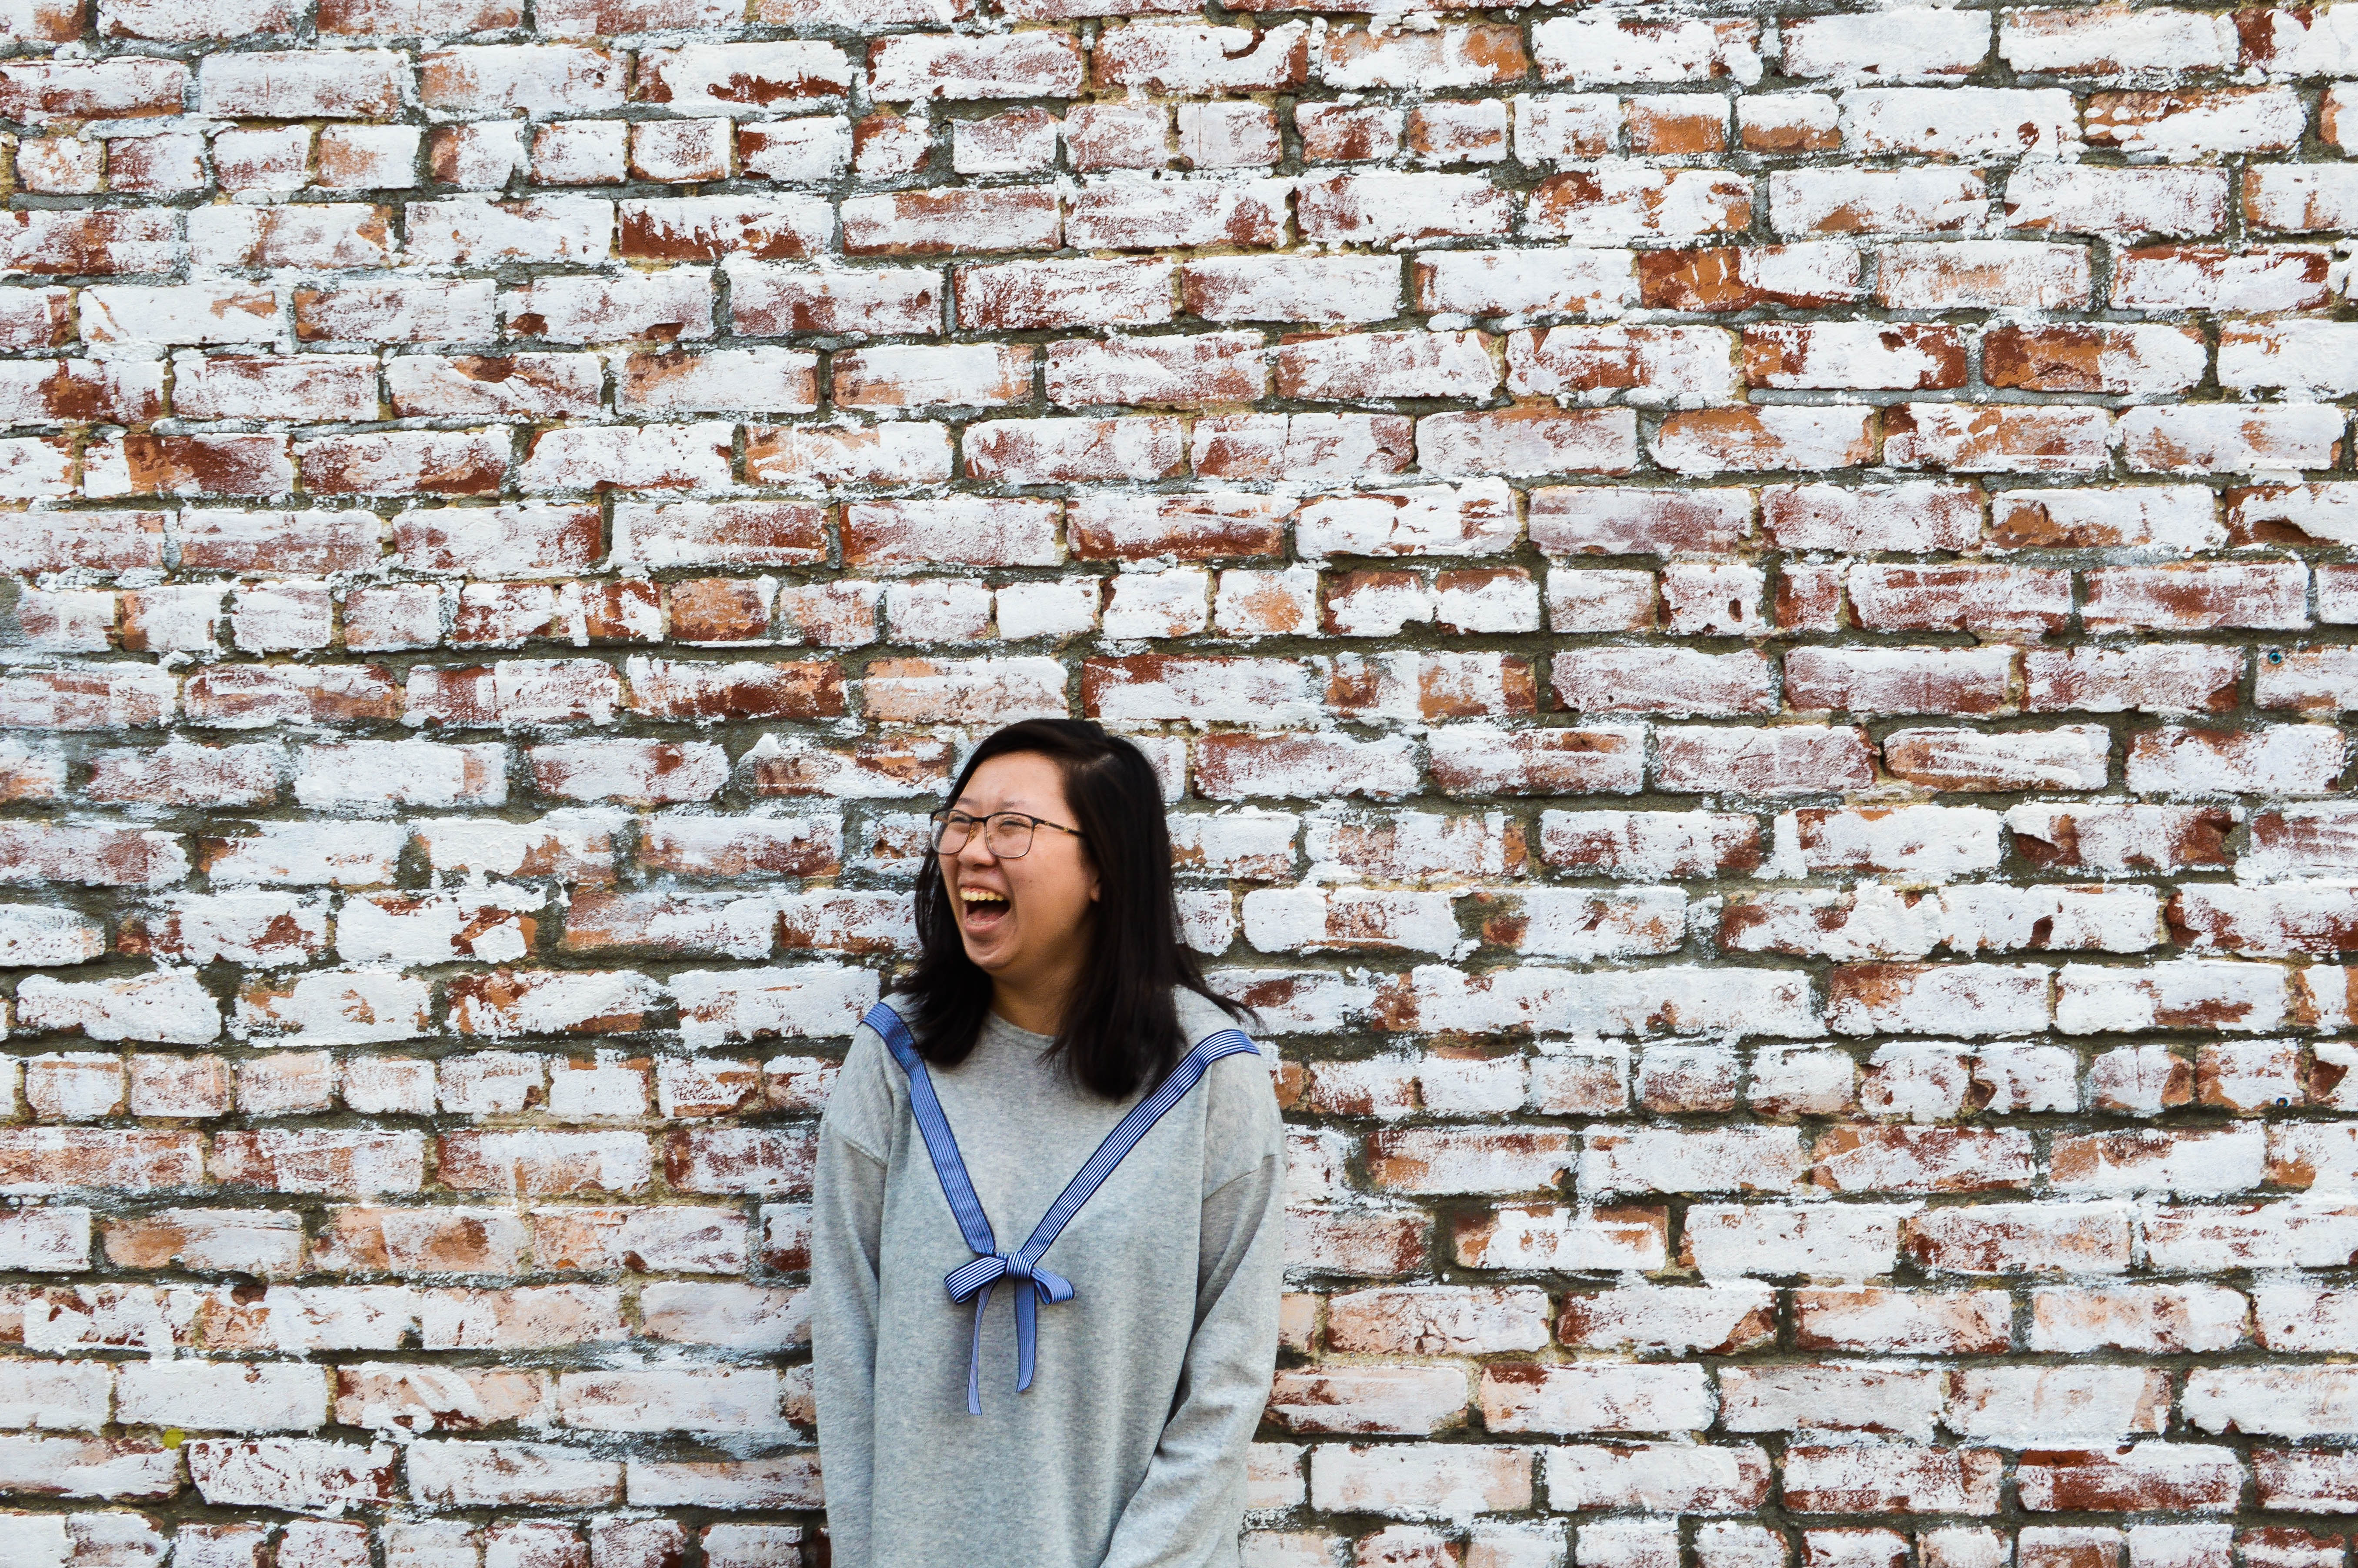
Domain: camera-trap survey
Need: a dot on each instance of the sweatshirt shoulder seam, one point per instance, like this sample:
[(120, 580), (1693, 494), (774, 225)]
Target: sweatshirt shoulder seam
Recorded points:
[(1252, 1170), (882, 1079)]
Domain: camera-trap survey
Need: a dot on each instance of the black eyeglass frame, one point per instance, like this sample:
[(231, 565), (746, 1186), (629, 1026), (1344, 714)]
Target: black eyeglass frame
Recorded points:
[(940, 819)]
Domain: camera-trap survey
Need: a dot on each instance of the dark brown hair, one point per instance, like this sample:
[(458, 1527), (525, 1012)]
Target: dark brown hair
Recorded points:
[(1120, 1027)]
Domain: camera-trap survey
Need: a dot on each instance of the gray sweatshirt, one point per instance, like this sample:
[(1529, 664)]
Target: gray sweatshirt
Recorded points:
[(1128, 1448)]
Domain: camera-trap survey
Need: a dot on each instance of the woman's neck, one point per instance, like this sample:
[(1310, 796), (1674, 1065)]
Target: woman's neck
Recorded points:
[(1038, 1012)]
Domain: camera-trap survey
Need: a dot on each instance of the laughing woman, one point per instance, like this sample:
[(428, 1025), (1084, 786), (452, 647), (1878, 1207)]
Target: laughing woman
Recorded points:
[(1046, 1236)]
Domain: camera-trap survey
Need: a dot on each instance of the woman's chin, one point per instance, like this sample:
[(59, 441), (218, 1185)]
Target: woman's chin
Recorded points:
[(991, 944)]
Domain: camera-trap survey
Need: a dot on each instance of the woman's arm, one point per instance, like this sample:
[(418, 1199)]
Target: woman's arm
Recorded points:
[(1185, 1511), (847, 1217)]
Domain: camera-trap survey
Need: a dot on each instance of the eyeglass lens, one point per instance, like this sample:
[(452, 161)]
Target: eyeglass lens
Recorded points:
[(1009, 837)]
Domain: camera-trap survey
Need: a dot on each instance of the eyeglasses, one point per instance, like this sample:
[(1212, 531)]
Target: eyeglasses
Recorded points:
[(1006, 834)]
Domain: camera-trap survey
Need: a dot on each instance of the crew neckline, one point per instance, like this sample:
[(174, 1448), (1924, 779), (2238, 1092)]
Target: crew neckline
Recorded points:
[(992, 1013)]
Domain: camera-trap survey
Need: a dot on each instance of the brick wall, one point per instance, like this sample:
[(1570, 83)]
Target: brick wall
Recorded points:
[(1743, 609)]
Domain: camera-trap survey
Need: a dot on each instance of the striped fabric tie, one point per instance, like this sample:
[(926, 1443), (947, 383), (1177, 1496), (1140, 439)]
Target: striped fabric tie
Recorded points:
[(1034, 1284)]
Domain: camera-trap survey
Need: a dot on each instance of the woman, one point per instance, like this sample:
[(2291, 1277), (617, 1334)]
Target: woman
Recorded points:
[(992, 1388)]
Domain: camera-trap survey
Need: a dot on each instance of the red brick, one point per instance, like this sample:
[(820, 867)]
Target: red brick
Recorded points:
[(2071, 757), (1019, 296), (2301, 758), (2079, 199), (1897, 680), (732, 78), (1481, 56), (1311, 288), (975, 530), (1498, 283), (1611, 205), (1185, 59), (1353, 366), (1877, 200), (2092, 518), (1610, 48), (885, 454), (55, 21), (1806, 276), (1682, 363), (1063, 451), (1399, 208), (1675, 681), (1015, 65), (2214, 438), (1793, 759), (1866, 1480), (1954, 597), (1913, 517), (432, 462), (2287, 515), (1192, 371), (929, 222), (1902, 358), (1598, 520), (1117, 136), (717, 380), (190, 465), (2093, 42), (709, 228), (2199, 597), (1994, 438), (1677, 125), (915, 375), (1315, 446), (1766, 437), (1528, 441), (2212, 277), (2196, 120), (53, 243), (229, 386), (1788, 122), (341, 1163), (1120, 216), (128, 86), (1982, 275), (2021, 1237), (396, 311)]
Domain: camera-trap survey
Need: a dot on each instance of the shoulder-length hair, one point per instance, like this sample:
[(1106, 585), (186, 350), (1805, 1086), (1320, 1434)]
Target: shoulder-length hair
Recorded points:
[(1120, 1027)]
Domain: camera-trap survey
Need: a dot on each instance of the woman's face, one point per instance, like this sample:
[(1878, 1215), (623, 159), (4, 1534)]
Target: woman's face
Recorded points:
[(1037, 927)]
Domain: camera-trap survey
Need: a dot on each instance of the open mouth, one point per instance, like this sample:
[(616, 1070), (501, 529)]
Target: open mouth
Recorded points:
[(981, 909)]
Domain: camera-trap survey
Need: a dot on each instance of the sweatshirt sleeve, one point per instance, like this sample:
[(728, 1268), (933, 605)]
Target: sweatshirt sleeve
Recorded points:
[(1189, 1506), (847, 1223)]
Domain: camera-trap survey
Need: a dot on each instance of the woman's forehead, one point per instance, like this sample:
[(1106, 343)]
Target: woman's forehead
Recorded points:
[(1015, 800), (1013, 788)]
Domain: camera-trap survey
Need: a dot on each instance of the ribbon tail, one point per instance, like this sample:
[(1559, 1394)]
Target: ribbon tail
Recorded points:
[(974, 1360), (1027, 1308)]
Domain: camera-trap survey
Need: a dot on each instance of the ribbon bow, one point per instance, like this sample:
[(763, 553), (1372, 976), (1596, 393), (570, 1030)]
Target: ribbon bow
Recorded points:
[(976, 1279)]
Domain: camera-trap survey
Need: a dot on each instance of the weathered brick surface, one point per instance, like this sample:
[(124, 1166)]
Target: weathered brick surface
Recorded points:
[(1746, 611)]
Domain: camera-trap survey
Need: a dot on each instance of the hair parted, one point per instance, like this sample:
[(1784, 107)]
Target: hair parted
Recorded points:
[(1120, 1028)]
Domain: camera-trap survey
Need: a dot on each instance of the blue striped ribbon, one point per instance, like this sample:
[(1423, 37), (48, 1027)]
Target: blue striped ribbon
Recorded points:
[(1022, 1265)]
